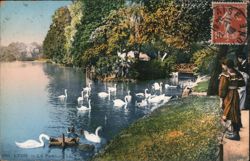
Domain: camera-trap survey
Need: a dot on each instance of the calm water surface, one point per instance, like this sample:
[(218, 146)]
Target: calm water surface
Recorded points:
[(29, 106)]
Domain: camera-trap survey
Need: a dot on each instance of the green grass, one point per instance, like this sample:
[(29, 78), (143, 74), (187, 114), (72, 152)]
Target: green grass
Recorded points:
[(185, 129), (201, 87)]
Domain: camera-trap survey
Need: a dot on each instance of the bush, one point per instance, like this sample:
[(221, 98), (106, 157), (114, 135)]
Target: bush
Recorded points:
[(7, 57), (203, 59), (113, 65), (155, 69)]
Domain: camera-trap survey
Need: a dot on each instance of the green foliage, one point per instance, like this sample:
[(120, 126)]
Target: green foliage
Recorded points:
[(90, 29), (93, 13), (203, 59), (113, 66), (55, 40), (155, 69), (185, 129), (201, 87), (76, 13)]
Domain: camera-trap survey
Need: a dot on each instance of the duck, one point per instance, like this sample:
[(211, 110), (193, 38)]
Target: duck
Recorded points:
[(84, 108), (112, 89), (104, 94), (33, 143), (93, 137), (79, 99), (120, 103), (63, 96)]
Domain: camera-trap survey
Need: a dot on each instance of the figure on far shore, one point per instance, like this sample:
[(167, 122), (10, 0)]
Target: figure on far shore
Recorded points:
[(230, 80), (243, 69)]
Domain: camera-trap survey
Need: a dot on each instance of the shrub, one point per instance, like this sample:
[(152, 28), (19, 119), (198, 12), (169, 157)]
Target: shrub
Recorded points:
[(155, 68), (203, 59)]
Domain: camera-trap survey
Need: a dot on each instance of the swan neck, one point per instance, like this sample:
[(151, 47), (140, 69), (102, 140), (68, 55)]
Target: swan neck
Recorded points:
[(89, 105), (97, 130), (41, 140)]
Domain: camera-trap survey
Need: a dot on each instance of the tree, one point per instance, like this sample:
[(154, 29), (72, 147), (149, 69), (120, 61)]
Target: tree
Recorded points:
[(76, 13), (93, 13), (55, 40)]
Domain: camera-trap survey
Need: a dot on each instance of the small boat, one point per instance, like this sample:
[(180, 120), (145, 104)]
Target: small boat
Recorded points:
[(64, 141)]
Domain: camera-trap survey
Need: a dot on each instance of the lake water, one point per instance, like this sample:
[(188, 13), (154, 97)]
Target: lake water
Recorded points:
[(29, 106)]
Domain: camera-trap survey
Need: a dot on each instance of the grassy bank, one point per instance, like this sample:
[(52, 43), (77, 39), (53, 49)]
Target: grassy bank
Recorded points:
[(185, 129), (201, 87)]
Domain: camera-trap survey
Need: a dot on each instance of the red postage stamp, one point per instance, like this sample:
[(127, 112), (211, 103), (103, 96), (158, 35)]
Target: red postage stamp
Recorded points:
[(229, 25)]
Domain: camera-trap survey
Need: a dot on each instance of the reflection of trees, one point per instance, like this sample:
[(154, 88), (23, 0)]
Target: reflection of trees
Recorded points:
[(60, 78)]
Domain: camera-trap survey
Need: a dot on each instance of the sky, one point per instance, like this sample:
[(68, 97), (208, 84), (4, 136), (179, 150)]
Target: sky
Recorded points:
[(26, 21)]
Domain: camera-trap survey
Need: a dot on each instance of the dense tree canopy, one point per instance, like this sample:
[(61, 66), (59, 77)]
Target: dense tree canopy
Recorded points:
[(55, 40), (90, 29)]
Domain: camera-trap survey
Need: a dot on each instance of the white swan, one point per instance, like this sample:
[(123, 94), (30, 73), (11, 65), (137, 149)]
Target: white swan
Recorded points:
[(63, 96), (143, 103), (156, 86), (156, 99), (166, 99), (87, 95), (33, 143), (112, 89), (84, 108), (104, 94), (145, 94), (88, 88), (120, 103), (129, 97), (93, 137), (79, 99)]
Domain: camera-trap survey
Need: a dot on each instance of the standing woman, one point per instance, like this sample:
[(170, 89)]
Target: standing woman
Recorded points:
[(243, 69), (230, 80)]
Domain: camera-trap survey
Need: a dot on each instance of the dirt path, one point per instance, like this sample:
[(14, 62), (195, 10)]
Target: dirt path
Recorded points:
[(239, 150)]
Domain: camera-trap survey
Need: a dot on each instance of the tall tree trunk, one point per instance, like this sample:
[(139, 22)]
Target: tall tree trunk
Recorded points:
[(214, 82)]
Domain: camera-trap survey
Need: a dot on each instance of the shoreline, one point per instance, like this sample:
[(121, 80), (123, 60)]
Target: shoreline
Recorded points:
[(146, 132)]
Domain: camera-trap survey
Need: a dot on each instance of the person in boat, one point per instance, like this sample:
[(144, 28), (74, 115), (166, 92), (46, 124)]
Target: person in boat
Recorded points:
[(243, 69), (230, 80)]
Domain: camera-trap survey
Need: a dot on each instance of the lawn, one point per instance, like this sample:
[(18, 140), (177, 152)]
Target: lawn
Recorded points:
[(201, 87), (184, 129)]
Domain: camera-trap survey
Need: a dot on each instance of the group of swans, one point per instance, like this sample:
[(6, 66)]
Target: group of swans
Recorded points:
[(30, 144), (154, 99), (145, 94), (85, 108), (158, 86)]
